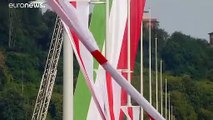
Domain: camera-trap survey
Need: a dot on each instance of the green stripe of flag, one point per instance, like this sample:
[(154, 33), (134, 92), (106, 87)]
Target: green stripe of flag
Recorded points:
[(82, 94)]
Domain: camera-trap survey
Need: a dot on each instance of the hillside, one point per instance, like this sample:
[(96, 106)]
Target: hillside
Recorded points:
[(187, 65), (187, 61)]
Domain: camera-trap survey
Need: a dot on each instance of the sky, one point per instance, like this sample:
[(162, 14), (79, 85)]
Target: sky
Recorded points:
[(191, 17)]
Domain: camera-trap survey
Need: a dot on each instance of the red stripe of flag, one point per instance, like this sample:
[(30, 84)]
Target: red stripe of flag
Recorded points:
[(110, 95), (130, 112), (136, 11)]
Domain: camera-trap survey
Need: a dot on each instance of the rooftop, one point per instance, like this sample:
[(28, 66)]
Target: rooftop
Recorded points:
[(211, 33)]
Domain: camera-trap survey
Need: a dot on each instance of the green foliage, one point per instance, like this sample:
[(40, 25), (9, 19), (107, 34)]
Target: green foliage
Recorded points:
[(185, 55), (5, 76), (183, 109), (205, 114), (11, 105), (56, 109), (205, 88), (3, 23), (23, 66), (196, 94), (187, 62)]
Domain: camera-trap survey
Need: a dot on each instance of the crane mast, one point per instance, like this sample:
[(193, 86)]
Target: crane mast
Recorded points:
[(49, 75)]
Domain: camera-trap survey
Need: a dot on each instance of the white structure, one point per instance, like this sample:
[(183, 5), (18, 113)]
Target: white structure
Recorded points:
[(67, 79)]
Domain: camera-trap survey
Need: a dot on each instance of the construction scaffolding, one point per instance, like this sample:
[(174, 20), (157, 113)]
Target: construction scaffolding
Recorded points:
[(49, 75)]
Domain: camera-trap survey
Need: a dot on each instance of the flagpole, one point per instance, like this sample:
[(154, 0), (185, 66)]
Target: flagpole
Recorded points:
[(67, 79), (107, 29), (128, 52), (169, 108), (161, 85), (172, 112), (150, 59), (142, 65), (156, 70), (166, 98)]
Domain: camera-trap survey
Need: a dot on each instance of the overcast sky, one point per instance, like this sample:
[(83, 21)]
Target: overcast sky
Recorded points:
[(192, 17)]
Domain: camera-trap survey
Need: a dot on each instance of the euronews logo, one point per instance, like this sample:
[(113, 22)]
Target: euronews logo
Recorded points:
[(27, 5)]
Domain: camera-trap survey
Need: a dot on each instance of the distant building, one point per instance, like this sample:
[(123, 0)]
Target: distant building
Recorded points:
[(146, 18), (211, 38)]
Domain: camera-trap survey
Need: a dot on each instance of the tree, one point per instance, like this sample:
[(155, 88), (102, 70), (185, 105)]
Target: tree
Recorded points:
[(183, 109), (11, 105), (185, 55)]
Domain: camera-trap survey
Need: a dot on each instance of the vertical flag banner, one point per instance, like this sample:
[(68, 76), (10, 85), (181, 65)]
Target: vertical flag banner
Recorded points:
[(85, 59), (136, 15), (82, 95), (105, 84), (132, 113)]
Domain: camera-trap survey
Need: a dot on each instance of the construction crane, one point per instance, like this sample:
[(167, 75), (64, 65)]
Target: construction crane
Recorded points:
[(49, 75)]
